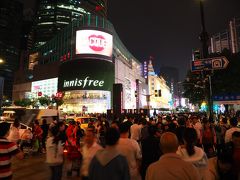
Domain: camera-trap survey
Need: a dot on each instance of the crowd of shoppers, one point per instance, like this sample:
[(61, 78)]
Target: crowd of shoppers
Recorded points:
[(136, 147)]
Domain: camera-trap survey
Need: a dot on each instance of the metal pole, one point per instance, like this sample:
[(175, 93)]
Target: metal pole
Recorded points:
[(210, 97), (203, 35)]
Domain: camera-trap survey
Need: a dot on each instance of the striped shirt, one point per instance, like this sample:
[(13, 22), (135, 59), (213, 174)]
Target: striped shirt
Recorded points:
[(7, 150)]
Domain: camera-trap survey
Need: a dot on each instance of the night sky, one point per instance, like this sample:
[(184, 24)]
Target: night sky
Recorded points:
[(168, 29)]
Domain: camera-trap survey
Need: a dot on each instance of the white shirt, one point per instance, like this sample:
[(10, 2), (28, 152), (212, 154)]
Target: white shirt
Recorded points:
[(135, 130), (131, 150), (228, 135), (88, 154), (198, 128), (14, 135), (54, 152)]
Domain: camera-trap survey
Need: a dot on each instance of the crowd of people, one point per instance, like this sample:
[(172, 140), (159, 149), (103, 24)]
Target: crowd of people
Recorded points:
[(135, 147)]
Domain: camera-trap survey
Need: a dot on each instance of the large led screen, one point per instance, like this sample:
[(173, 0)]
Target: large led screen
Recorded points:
[(86, 75), (94, 42), (46, 87)]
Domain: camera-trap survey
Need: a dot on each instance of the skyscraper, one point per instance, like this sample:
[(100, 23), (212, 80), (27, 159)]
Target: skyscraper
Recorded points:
[(228, 39), (10, 30), (53, 15)]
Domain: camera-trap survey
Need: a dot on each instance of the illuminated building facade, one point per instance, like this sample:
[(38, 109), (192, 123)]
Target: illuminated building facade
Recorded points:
[(10, 30), (228, 39), (159, 91), (53, 16), (86, 59)]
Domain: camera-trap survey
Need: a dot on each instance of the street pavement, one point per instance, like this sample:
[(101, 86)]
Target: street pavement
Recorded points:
[(33, 167)]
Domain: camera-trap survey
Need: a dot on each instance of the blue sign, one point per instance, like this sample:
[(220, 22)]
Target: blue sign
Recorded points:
[(227, 97), (210, 64)]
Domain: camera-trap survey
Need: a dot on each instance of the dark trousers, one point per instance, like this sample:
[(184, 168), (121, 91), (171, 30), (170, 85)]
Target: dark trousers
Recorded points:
[(56, 172), (85, 178)]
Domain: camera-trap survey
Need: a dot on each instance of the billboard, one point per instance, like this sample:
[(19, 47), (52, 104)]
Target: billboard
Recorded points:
[(46, 87), (94, 42), (86, 75)]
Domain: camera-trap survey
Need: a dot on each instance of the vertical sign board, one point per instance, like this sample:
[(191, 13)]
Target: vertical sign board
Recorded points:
[(117, 99), (137, 95)]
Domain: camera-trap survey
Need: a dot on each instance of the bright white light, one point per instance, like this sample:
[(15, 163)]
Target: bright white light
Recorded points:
[(94, 42)]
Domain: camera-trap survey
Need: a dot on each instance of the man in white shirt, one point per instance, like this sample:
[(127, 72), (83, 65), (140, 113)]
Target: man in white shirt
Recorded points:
[(131, 150), (135, 130), (89, 150), (228, 135)]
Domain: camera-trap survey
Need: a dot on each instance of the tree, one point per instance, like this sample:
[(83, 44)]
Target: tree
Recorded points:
[(225, 81), (44, 101), (194, 89), (23, 102)]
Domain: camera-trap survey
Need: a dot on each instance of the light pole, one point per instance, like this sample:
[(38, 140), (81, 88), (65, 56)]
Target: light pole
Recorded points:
[(204, 38), (203, 35)]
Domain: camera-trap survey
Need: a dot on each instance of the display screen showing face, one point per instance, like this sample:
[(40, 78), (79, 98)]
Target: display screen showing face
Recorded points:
[(87, 74), (94, 42)]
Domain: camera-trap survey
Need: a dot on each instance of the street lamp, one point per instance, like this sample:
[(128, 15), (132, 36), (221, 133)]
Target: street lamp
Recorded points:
[(204, 40), (1, 61), (203, 35)]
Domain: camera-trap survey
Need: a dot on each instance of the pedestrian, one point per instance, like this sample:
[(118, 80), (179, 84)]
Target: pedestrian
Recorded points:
[(193, 154), (7, 150), (229, 132), (208, 138), (131, 150), (150, 149), (170, 166), (89, 150), (14, 135), (37, 136), (44, 127), (54, 153), (108, 163)]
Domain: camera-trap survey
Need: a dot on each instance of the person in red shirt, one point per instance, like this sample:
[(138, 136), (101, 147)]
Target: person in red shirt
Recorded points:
[(236, 154), (7, 150), (37, 135)]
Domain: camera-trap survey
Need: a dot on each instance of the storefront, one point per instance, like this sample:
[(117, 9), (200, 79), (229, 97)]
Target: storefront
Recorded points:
[(87, 85)]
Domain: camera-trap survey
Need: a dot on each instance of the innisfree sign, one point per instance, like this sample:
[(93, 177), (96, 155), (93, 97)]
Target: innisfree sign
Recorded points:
[(210, 64)]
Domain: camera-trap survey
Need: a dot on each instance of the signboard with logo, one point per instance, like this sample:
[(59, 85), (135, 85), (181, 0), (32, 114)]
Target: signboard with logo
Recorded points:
[(94, 42), (86, 75), (210, 64), (46, 87)]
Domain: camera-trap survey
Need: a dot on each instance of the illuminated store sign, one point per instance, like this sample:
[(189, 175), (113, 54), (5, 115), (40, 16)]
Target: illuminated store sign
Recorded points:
[(94, 42), (86, 82), (45, 87), (86, 75)]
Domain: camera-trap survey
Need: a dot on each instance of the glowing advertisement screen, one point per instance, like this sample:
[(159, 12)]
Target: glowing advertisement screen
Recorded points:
[(94, 42), (47, 87), (86, 75)]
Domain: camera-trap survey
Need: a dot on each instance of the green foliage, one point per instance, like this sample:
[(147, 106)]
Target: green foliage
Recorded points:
[(227, 81), (57, 100), (23, 102), (44, 101), (194, 89)]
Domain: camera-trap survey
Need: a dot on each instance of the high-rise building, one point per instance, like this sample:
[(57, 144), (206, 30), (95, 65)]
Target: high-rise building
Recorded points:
[(53, 15), (171, 75), (159, 91), (228, 39), (10, 32), (90, 53)]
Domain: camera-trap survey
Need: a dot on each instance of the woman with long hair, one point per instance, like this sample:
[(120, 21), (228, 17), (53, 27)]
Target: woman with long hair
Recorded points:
[(193, 154), (54, 153)]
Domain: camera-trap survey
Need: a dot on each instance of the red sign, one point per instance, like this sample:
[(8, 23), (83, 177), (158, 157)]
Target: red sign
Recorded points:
[(59, 94), (97, 43)]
